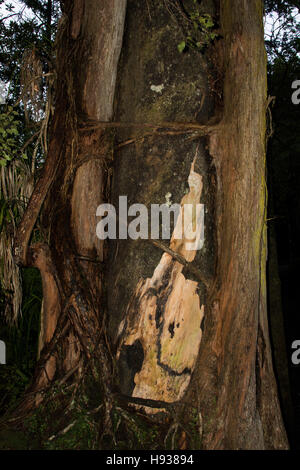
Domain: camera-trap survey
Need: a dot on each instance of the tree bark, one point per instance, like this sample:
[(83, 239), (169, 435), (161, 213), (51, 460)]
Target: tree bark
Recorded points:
[(238, 343), (71, 187), (187, 327), (233, 380)]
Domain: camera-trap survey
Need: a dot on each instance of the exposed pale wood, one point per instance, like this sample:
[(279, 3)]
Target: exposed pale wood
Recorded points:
[(165, 316), (189, 267)]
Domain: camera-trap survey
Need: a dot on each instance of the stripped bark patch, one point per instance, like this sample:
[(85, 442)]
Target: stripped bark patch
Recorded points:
[(164, 316)]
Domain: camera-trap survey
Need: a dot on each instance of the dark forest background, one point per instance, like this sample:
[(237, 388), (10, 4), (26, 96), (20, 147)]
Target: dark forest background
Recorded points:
[(27, 80)]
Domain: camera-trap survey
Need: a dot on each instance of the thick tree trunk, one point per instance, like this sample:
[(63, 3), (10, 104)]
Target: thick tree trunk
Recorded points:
[(247, 413), (162, 325), (73, 184), (187, 326)]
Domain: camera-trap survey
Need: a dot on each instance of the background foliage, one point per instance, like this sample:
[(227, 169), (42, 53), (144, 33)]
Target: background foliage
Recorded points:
[(27, 30)]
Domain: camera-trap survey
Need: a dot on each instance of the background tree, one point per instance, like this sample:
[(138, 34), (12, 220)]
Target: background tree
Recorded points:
[(282, 42)]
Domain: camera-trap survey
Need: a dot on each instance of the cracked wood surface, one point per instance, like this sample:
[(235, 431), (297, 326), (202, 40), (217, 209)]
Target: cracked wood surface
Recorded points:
[(164, 315)]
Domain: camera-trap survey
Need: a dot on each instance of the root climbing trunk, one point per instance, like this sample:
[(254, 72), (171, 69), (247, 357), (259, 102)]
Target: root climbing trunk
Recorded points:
[(191, 328)]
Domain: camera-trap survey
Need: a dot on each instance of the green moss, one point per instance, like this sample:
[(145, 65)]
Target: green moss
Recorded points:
[(172, 97), (80, 434), (133, 431)]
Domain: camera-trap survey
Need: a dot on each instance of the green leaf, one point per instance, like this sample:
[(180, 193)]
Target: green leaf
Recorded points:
[(13, 131), (181, 46)]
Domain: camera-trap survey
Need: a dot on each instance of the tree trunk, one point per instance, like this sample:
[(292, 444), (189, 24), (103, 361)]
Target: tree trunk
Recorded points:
[(73, 184), (187, 327)]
